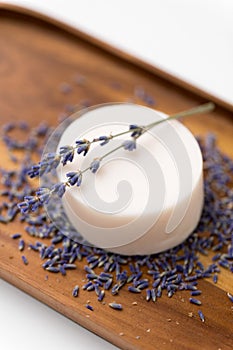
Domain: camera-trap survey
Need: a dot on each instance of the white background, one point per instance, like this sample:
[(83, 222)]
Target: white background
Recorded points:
[(190, 39)]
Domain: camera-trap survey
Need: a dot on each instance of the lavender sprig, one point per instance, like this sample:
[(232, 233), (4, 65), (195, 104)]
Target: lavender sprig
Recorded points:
[(66, 154)]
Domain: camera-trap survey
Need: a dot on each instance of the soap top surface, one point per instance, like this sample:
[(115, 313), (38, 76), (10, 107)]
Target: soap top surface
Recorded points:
[(159, 154)]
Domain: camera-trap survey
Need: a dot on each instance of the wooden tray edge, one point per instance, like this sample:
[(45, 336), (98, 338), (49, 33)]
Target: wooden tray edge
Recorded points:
[(54, 304), (116, 52)]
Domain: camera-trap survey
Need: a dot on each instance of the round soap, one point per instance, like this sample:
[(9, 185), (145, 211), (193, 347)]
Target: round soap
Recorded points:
[(138, 202)]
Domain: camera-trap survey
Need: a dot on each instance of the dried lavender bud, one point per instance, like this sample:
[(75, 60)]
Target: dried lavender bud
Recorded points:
[(21, 245), (67, 154), (75, 291), (89, 307), (16, 236), (65, 88), (25, 260), (74, 178), (59, 189), (136, 130), (201, 315), (104, 139), (129, 145), (115, 306), (44, 194), (95, 164), (83, 146), (48, 163)]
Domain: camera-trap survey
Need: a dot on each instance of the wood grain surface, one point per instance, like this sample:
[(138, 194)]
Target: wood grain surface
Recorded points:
[(35, 58)]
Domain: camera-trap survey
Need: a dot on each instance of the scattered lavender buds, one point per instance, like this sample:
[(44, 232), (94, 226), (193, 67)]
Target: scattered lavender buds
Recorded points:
[(176, 270)]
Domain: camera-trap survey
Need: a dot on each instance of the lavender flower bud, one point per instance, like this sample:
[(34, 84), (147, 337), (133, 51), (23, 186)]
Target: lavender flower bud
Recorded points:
[(129, 145), (105, 140), (23, 207), (83, 146), (67, 154), (75, 178), (44, 194), (95, 164), (59, 189), (137, 130)]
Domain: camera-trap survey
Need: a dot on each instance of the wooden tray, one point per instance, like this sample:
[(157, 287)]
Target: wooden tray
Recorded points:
[(36, 55)]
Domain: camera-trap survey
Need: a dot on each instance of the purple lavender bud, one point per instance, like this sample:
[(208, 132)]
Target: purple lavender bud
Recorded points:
[(44, 194), (32, 204), (34, 171), (67, 154), (115, 306), (25, 260), (8, 127), (149, 100), (75, 291), (105, 140), (30, 200), (23, 207), (148, 294), (134, 289), (230, 296), (95, 164), (153, 295), (21, 245), (23, 125), (50, 162), (59, 189), (80, 142), (65, 88), (201, 315), (75, 178), (133, 126), (89, 307), (101, 295), (129, 145), (42, 130), (195, 301), (137, 130), (16, 236), (80, 80), (83, 148)]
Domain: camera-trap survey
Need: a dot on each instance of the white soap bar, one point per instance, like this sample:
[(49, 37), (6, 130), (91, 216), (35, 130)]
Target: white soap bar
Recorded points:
[(139, 202)]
